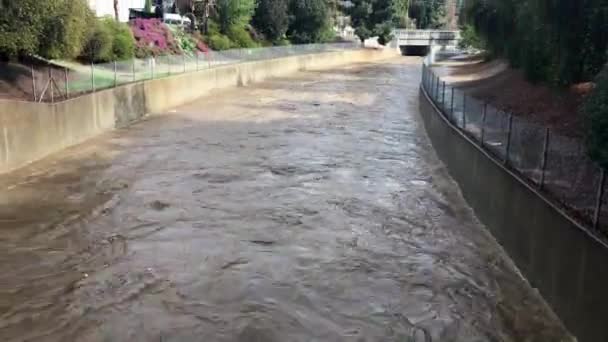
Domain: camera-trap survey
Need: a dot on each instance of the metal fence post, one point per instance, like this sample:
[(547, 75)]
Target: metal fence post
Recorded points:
[(483, 123), (184, 60), (197, 57), (431, 80), (443, 96), (115, 74), (67, 82), (437, 88), (464, 111), (51, 85), (93, 76), (423, 78), (34, 83), (423, 72), (508, 147), (152, 66), (543, 162), (598, 201), (133, 66), (452, 103)]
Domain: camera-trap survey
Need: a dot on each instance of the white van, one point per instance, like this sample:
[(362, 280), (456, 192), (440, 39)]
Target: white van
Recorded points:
[(176, 19)]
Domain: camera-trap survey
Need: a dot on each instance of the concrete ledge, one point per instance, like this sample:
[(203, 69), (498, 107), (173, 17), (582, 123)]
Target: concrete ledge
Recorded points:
[(559, 257), (30, 131)]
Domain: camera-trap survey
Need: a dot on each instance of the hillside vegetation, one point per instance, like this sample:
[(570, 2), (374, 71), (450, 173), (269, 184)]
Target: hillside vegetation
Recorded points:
[(559, 42)]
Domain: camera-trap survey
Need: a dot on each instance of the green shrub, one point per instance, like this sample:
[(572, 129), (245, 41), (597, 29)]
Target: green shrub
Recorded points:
[(271, 18), (282, 42), (66, 29), (233, 13), (219, 42), (309, 21), (241, 38), (469, 38), (595, 112), (384, 32), (21, 23), (186, 42), (100, 44), (123, 43)]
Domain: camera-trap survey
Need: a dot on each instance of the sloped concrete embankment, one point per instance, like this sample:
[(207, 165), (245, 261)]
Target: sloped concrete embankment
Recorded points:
[(30, 131), (557, 255)]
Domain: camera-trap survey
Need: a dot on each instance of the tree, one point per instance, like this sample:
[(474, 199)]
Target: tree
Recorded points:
[(374, 18), (532, 35), (401, 10), (99, 46), (271, 19), (595, 112), (233, 14), (116, 11), (202, 11), (21, 25), (148, 6), (66, 30), (428, 14), (308, 21)]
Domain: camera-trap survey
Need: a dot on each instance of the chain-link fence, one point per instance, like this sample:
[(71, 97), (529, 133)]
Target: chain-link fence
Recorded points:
[(52, 82), (553, 163)]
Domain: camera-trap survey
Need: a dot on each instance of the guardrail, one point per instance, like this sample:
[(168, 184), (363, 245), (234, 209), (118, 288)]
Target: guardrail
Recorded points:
[(555, 164), (427, 34)]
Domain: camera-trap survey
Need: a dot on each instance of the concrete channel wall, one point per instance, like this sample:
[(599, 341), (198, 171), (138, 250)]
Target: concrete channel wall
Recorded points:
[(558, 256), (30, 131)]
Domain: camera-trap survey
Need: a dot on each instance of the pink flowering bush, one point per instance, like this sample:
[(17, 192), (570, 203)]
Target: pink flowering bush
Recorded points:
[(154, 38)]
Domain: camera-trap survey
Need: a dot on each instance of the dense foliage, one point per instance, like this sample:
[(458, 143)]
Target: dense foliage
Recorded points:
[(67, 30), (233, 14), (98, 48), (20, 25), (560, 41), (50, 28), (123, 43), (428, 14), (374, 18), (308, 21), (595, 111), (400, 10), (109, 41), (271, 19), (469, 38)]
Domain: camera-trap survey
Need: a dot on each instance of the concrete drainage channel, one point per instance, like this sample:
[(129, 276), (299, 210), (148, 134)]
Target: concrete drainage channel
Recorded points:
[(557, 255), (31, 131)]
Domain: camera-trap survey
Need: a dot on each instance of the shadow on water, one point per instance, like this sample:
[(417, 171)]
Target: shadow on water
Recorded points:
[(277, 212)]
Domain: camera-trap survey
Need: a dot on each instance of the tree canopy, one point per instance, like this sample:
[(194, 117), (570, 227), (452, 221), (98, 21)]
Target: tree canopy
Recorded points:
[(372, 18), (233, 13), (428, 14), (308, 21), (271, 19), (21, 23), (560, 41)]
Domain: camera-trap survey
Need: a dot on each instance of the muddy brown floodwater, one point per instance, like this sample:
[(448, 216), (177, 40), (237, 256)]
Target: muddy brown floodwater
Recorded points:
[(308, 208)]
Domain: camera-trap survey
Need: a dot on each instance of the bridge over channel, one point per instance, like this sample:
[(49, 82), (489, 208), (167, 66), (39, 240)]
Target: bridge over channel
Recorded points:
[(421, 41)]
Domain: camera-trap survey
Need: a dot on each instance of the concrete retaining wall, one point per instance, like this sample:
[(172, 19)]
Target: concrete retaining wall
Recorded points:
[(566, 263), (30, 131)]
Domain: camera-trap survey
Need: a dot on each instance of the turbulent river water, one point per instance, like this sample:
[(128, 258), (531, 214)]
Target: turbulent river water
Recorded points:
[(307, 208)]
